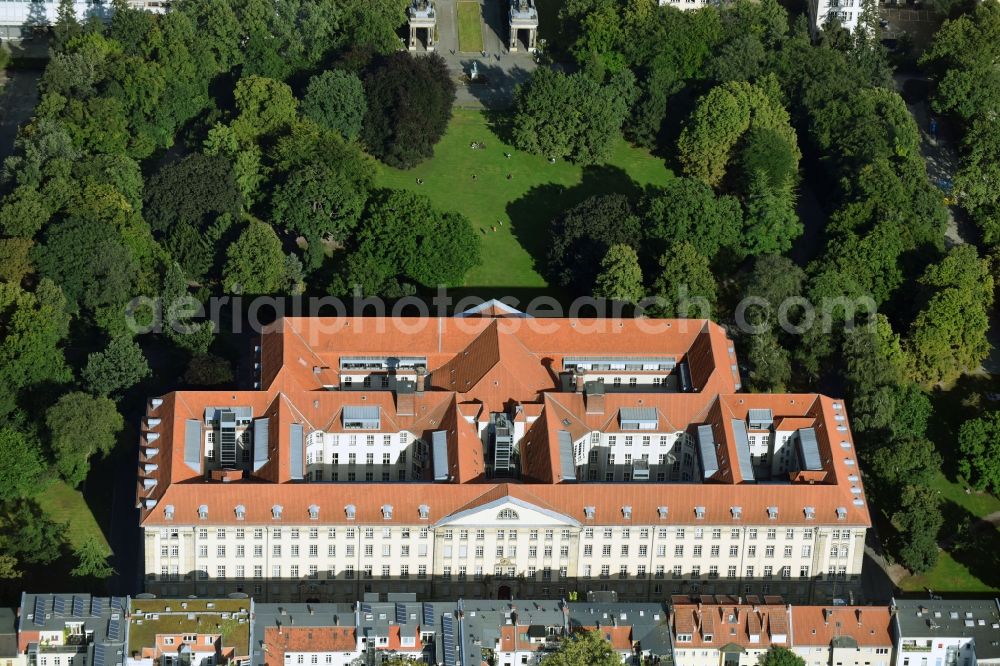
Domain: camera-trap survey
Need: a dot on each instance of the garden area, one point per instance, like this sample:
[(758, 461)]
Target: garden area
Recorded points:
[(517, 195), (470, 27)]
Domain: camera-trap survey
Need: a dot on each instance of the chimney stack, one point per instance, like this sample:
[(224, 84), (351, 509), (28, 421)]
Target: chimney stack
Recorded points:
[(578, 379), (826, 615), (421, 378)]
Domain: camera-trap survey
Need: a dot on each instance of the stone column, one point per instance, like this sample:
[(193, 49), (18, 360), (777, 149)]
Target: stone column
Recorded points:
[(513, 38), (413, 38)]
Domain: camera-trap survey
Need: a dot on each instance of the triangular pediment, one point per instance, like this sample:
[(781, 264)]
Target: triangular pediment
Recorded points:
[(507, 511)]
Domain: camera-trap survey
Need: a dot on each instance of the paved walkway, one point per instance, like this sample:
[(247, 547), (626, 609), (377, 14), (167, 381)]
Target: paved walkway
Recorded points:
[(499, 70)]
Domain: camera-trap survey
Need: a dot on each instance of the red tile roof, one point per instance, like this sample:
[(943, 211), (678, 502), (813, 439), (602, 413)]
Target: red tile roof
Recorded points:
[(720, 621), (511, 365), (869, 626), (279, 640)]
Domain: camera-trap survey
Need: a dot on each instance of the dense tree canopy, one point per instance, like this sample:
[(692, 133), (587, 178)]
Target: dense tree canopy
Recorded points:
[(583, 234), (81, 426), (336, 100), (409, 106), (620, 278), (572, 116), (584, 647)]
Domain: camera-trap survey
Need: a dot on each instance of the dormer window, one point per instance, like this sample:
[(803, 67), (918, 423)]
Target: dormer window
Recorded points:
[(241, 512), (736, 511), (276, 511), (772, 512), (627, 512), (351, 511), (662, 512), (699, 512), (168, 512), (313, 512), (425, 511), (589, 512), (810, 512), (387, 511), (841, 513), (203, 512)]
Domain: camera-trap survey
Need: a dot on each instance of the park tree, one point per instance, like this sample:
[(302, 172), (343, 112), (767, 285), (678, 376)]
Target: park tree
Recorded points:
[(686, 209), (962, 57), (620, 278), (177, 304), (89, 260), (24, 212), (402, 242), (194, 190), (709, 140), (118, 368), (373, 24), (584, 647), (264, 107), (918, 522), (322, 185), (255, 263), (208, 370), (28, 535), (66, 26), (571, 116), (771, 284), (92, 560), (770, 363), (684, 287), (767, 152), (32, 328), (43, 151), (24, 464), (582, 235), (779, 656), (771, 221), (948, 336), (81, 426), (902, 462), (335, 99), (409, 106), (979, 443), (15, 259)]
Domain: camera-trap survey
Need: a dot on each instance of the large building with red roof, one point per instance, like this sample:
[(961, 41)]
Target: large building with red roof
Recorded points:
[(495, 454)]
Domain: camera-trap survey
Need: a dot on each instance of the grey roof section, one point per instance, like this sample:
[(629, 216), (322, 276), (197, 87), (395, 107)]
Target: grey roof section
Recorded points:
[(567, 465), (638, 414), (99, 616), (212, 413), (760, 418), (808, 448), (295, 614), (978, 619), (296, 451), (365, 416), (706, 451), (743, 449), (8, 633), (261, 440), (439, 453), (192, 444)]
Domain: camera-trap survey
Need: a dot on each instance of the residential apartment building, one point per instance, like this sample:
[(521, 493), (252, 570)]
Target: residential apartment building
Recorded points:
[(842, 635), (946, 632), (189, 632), (491, 454), (71, 630), (845, 12)]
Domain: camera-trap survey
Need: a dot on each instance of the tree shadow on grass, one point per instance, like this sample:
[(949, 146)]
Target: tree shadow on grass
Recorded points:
[(531, 215), (496, 81), (972, 543), (953, 407)]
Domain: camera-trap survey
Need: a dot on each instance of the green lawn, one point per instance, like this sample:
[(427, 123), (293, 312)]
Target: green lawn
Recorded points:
[(63, 504), (524, 204), (470, 27)]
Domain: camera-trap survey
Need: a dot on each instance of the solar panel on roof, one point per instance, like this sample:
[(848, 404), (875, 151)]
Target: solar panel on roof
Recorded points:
[(58, 606), (99, 655), (428, 613), (78, 607), (39, 611), (448, 636), (96, 605), (118, 603), (366, 608), (400, 613), (114, 629)]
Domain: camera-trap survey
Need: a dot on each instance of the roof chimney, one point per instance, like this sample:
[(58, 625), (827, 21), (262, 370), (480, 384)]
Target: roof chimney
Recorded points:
[(578, 379), (859, 617), (421, 378), (826, 615)]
